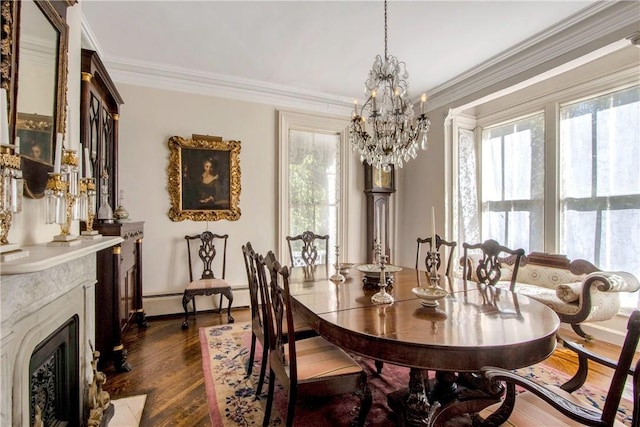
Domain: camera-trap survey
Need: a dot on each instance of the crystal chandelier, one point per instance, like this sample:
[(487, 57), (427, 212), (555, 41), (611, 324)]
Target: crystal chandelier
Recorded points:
[(389, 135)]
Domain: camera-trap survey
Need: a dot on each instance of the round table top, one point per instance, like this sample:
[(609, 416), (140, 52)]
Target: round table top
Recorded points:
[(473, 326)]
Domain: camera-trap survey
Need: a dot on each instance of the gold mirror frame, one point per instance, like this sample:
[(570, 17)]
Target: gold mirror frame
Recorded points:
[(185, 158), (35, 173)]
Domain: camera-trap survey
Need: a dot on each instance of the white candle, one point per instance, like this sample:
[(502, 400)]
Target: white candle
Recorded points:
[(378, 225), (4, 118), (16, 150), (383, 231), (58, 157), (80, 173), (423, 99), (433, 226), (87, 162)]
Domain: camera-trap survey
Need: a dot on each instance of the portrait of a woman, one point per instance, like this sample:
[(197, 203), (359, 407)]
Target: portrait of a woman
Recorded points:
[(208, 185), (204, 181)]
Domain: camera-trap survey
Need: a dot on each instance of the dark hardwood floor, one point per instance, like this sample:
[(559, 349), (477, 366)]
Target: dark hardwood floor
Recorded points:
[(167, 366)]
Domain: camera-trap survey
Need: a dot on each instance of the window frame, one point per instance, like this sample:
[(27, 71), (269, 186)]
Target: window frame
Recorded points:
[(316, 123), (550, 104)]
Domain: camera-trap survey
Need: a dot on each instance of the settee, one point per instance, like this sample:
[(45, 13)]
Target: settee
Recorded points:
[(576, 290)]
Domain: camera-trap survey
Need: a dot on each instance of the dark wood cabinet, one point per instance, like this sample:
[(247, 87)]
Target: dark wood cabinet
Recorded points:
[(119, 290), (99, 118)]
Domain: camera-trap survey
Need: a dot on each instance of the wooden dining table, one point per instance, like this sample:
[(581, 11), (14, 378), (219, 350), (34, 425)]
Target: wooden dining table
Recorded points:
[(472, 326)]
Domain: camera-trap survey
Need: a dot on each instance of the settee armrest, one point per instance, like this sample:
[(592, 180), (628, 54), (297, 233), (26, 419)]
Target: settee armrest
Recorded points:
[(602, 281)]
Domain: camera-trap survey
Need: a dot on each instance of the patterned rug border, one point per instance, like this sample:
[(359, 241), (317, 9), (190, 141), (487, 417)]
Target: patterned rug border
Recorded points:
[(242, 409)]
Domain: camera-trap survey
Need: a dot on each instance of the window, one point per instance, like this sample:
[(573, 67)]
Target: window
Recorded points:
[(599, 169), (313, 184), (569, 185), (312, 174), (513, 183)]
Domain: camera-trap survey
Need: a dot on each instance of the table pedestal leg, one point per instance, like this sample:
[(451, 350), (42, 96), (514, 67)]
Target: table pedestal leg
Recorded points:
[(449, 396), (412, 405)]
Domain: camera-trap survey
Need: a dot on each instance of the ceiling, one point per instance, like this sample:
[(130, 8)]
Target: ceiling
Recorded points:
[(323, 47)]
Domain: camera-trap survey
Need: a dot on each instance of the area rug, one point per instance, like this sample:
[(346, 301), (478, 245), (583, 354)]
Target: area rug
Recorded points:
[(232, 400)]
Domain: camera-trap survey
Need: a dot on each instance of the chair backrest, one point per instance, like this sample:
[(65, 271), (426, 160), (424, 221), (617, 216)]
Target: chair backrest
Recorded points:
[(255, 294), (433, 258), (304, 250), (279, 306), (207, 252), (488, 269)]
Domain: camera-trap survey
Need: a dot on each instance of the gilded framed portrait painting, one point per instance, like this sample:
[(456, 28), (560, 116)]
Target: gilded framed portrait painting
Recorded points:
[(204, 178)]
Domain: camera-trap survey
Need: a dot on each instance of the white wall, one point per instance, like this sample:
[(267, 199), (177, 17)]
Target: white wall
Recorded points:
[(148, 118)]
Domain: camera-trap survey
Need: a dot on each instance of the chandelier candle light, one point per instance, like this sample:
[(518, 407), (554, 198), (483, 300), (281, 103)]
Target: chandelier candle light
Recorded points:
[(390, 134), (11, 184)]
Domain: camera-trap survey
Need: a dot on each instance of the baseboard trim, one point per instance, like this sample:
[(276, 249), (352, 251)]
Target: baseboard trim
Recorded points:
[(171, 303)]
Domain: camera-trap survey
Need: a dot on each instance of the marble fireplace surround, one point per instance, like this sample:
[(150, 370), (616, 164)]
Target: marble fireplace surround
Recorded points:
[(38, 294)]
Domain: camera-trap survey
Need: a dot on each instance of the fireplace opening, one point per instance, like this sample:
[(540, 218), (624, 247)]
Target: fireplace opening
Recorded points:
[(54, 383)]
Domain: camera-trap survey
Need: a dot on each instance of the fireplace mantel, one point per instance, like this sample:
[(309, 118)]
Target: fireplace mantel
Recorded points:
[(38, 294)]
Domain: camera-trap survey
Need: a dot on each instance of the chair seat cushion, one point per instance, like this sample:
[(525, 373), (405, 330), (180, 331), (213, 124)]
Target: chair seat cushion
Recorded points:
[(531, 411), (208, 284), (318, 358)]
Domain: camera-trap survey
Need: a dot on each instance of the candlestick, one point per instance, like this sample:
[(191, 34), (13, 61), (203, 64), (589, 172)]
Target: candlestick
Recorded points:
[(423, 99)]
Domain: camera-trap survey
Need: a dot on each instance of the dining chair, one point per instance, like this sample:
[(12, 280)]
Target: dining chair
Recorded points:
[(208, 283), (258, 325), (433, 258), (308, 367), (488, 266), (544, 405), (304, 251), (258, 288)]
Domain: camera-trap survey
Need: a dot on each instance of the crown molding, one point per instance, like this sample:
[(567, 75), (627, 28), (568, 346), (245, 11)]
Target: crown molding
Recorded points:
[(592, 28), (595, 27)]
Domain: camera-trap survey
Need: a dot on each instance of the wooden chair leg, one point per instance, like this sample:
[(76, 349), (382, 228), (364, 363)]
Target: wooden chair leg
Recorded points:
[(267, 409), (185, 303), (229, 317), (365, 402), (291, 407), (263, 369), (379, 365), (220, 304), (252, 353)]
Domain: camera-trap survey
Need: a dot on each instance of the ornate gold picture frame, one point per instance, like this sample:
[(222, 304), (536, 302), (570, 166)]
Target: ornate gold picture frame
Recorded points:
[(204, 178)]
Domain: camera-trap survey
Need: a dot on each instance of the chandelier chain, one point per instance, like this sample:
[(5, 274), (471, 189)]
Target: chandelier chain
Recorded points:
[(385, 31)]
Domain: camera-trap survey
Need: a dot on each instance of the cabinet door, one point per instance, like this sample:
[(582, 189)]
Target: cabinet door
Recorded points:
[(100, 105)]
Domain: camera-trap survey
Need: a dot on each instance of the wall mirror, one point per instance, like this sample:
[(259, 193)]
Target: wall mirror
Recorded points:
[(34, 59)]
